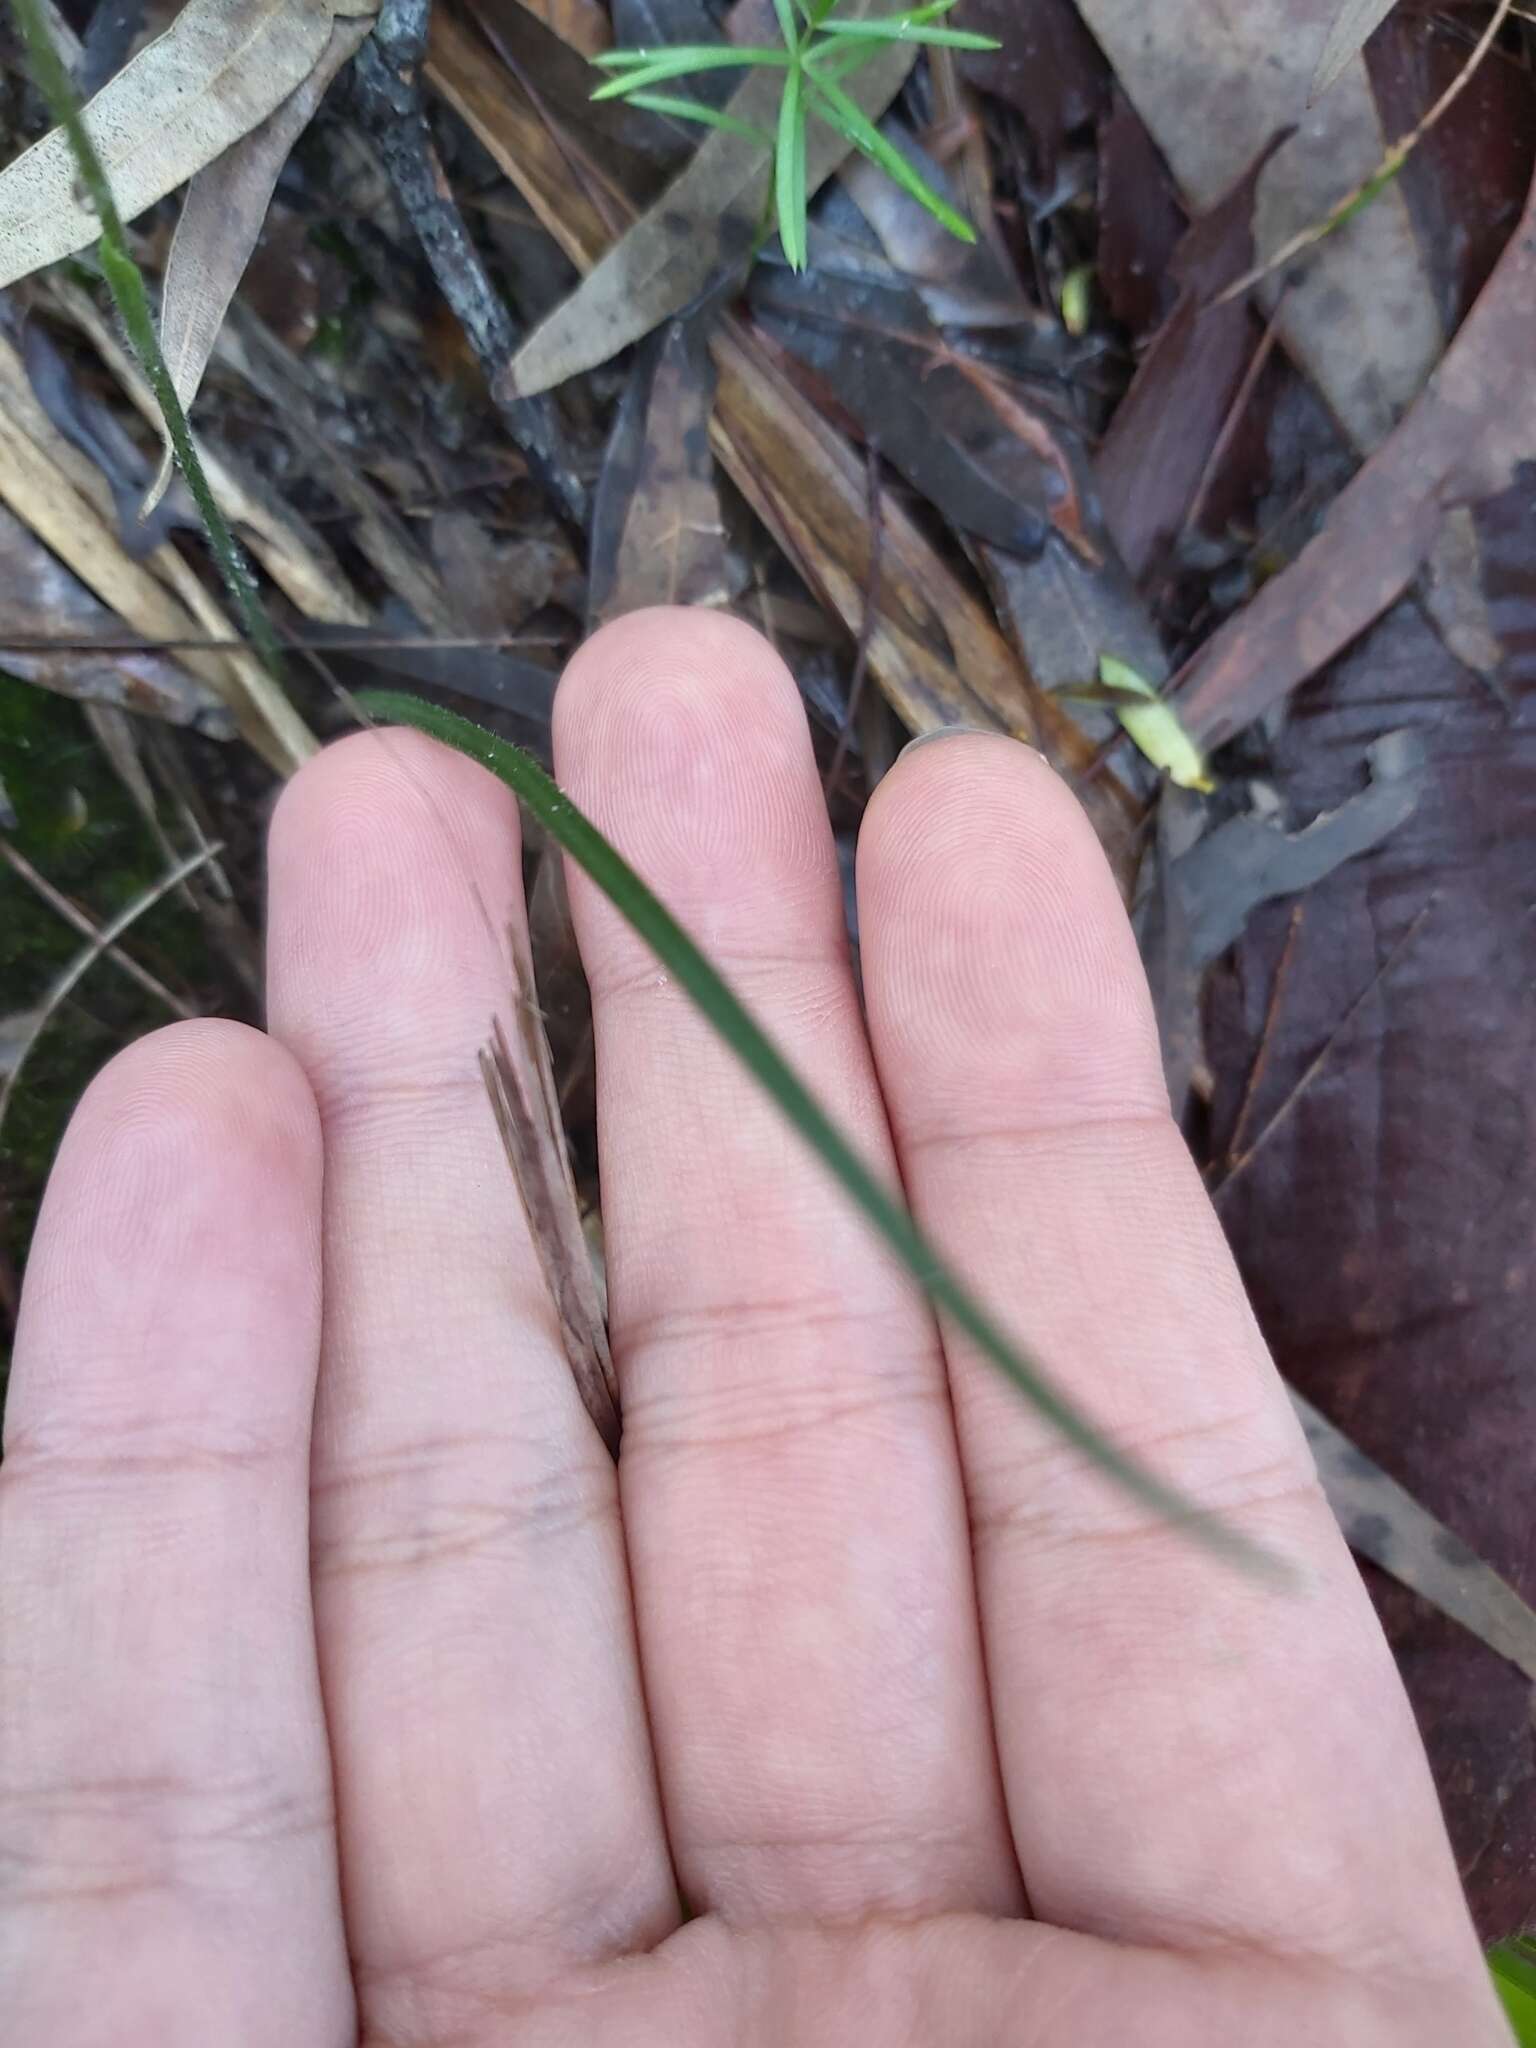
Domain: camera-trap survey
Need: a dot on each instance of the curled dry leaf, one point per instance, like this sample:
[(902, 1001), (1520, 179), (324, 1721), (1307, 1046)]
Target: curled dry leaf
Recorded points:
[(215, 74), (57, 490), (221, 222), (302, 565)]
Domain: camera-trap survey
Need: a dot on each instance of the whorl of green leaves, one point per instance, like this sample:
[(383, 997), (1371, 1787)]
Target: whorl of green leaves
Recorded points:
[(819, 49)]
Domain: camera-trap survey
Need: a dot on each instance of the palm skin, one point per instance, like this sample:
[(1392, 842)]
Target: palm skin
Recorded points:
[(348, 1693)]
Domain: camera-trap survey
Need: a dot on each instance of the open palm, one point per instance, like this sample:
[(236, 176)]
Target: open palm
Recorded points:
[(347, 1692)]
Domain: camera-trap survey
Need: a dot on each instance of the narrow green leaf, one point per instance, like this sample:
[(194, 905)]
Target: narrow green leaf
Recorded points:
[(851, 122), (840, 59), (1513, 1964), (695, 110), (1155, 727), (789, 170), (904, 29), (655, 924), (844, 56), (704, 55), (678, 63), (789, 28)]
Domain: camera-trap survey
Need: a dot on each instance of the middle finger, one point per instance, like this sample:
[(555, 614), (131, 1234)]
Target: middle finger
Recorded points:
[(792, 1500)]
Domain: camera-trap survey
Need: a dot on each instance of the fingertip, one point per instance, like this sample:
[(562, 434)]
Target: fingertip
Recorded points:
[(996, 948), (390, 795), (185, 1197), (182, 1102), (394, 873), (682, 733)]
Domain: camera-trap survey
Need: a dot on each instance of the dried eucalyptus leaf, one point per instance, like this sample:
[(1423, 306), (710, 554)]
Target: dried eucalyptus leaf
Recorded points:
[(221, 222), (217, 72)]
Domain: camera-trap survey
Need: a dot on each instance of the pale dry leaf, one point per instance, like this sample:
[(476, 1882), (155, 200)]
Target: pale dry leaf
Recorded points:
[(1215, 86), (217, 72), (292, 552), (1383, 1521), (1469, 437), (708, 218), (1356, 20), (58, 491), (221, 222)]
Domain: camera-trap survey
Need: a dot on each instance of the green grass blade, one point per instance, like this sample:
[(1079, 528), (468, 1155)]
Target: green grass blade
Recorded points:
[(678, 64), (126, 285), (855, 126), (789, 170), (1513, 1964), (695, 110), (789, 28), (902, 28), (654, 923)]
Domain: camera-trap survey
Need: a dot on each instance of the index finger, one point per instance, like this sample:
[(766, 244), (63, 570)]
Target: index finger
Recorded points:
[(1191, 1756)]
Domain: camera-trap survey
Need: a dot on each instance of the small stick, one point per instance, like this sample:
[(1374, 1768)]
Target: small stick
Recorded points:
[(1271, 1019), (1242, 398), (83, 961), (72, 914), (1244, 1160), (1397, 155), (387, 70)]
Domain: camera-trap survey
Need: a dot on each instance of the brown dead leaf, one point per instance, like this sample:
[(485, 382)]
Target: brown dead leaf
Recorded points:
[(1153, 457), (1385, 1227), (519, 1078), (656, 535), (495, 106), (217, 72), (1463, 441), (221, 222), (584, 24)]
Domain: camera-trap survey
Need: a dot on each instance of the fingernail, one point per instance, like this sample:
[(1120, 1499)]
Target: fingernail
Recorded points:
[(945, 732)]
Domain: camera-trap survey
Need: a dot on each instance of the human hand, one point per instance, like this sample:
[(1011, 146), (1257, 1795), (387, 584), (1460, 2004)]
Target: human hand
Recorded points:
[(428, 1729)]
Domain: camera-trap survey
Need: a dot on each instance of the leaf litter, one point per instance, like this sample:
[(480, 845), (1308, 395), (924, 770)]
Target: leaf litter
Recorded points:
[(1008, 483)]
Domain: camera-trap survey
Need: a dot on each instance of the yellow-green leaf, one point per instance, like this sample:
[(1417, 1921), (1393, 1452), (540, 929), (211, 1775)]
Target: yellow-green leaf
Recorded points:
[(1155, 726)]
